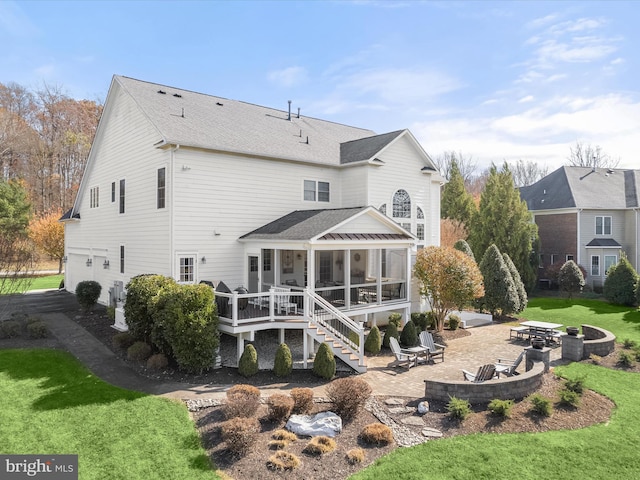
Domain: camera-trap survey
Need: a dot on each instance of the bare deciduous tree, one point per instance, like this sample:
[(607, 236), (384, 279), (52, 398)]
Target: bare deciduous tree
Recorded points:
[(466, 165), (587, 155), (527, 173)]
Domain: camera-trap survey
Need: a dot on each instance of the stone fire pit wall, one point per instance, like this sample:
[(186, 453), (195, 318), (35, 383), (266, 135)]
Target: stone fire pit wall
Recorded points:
[(597, 341), (505, 388)]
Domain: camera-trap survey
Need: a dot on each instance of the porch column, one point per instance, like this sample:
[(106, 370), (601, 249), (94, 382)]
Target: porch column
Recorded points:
[(379, 275), (347, 279), (305, 348), (240, 346)]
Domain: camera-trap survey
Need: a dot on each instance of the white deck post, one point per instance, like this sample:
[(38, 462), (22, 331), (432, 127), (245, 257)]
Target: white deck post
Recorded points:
[(240, 345), (281, 335), (234, 309), (305, 348)]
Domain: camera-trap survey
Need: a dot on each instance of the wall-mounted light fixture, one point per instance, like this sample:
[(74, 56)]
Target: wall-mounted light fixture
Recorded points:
[(64, 259), (89, 262), (105, 265), (203, 259), (186, 167), (216, 233)]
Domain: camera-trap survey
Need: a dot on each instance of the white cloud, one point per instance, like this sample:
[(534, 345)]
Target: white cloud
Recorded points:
[(527, 99), (14, 21), (288, 77)]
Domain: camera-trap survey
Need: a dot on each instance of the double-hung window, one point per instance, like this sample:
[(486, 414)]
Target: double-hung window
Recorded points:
[(187, 273), (121, 258), (595, 265), (316, 191), (609, 261), (113, 192), (94, 200), (122, 196), (603, 225)]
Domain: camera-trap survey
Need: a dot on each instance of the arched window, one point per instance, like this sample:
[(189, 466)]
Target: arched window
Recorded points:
[(401, 204), (383, 209)]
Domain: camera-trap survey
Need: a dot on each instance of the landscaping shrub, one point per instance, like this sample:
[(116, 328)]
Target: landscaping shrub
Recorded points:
[(111, 313), (137, 309), (283, 363), (629, 344), (396, 319), (248, 364), (356, 455), (431, 321), (569, 398), (302, 399), (277, 444), (354, 338), (636, 354), (541, 405), (123, 340), (348, 395), (595, 359), (373, 342), (37, 329), (570, 278), (88, 293), (420, 320), (376, 434), (242, 401), (320, 445), (454, 322), (240, 434), (458, 408), (280, 407), (283, 461), (502, 408), (185, 325), (390, 331), (158, 361), (575, 385), (409, 336), (284, 435), (10, 329), (139, 351), (324, 364), (621, 282), (625, 359)]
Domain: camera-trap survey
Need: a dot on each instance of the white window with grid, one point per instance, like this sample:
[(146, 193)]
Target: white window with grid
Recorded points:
[(603, 225), (187, 269)]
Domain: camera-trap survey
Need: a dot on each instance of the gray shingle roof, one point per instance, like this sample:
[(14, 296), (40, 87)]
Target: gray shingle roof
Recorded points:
[(366, 148), (308, 224), (603, 242), (584, 187), (198, 120)]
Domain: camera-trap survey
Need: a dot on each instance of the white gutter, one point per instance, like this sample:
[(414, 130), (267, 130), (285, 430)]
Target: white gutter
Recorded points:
[(579, 249), (172, 262)]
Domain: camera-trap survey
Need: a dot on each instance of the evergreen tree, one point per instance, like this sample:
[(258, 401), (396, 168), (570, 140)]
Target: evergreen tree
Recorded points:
[(500, 292), (522, 292), (570, 278), (456, 203), (504, 220), (374, 341), (621, 282), (464, 247)]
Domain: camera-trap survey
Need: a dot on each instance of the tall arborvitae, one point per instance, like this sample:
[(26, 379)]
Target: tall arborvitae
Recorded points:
[(500, 292), (456, 203), (464, 247), (515, 275)]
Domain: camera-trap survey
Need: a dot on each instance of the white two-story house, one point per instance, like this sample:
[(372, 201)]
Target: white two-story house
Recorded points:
[(317, 222)]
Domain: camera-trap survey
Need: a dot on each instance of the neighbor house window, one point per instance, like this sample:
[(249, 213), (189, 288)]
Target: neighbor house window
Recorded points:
[(113, 192), (94, 197), (316, 190), (609, 261), (187, 270), (603, 225), (401, 204), (569, 257), (595, 265), (554, 258), (122, 196), (121, 258), (161, 187)]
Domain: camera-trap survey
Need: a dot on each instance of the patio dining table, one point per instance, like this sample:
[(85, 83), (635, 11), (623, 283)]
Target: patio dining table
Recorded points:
[(543, 330)]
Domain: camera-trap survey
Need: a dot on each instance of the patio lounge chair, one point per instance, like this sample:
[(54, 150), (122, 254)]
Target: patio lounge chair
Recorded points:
[(485, 372), (404, 357), (508, 367), (434, 349)]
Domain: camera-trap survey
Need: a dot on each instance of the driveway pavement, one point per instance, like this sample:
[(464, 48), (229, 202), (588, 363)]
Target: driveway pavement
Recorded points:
[(485, 345)]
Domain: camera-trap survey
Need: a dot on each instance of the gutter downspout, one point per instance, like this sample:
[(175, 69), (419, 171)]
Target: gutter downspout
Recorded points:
[(172, 262), (579, 249)]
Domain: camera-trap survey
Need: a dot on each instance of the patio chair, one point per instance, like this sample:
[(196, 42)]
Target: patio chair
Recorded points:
[(433, 349), (508, 367), (283, 300), (485, 372), (404, 357), (519, 332)]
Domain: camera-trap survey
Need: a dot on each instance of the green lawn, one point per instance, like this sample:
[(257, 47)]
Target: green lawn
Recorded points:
[(37, 283), (601, 451), (52, 404), (623, 322)]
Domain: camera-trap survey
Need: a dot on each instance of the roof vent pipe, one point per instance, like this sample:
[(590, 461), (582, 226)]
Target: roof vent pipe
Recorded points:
[(298, 112), (289, 116)]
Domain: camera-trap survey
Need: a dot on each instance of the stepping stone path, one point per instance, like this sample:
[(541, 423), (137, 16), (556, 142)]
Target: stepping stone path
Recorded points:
[(394, 402), (398, 410), (414, 421), (431, 432)]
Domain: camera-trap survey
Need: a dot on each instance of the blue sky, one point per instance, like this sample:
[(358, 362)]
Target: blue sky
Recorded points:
[(494, 80)]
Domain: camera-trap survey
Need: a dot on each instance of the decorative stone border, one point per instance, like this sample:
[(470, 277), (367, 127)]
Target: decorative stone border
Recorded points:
[(506, 388), (597, 341)]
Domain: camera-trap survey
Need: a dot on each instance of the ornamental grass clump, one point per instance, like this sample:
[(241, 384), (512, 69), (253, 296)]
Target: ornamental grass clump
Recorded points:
[(280, 406), (348, 395), (157, 361), (377, 434), (10, 329), (283, 461), (123, 340), (355, 455), (240, 434), (320, 445), (139, 351), (242, 401), (37, 329), (302, 399)]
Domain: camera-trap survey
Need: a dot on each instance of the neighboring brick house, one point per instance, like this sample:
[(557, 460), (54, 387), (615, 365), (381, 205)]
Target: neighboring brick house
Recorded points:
[(589, 215)]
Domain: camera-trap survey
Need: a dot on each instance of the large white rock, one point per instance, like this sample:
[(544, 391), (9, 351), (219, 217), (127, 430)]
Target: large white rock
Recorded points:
[(324, 423)]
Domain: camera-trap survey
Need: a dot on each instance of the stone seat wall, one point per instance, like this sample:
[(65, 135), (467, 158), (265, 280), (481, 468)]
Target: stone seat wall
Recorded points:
[(597, 341), (505, 388)]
